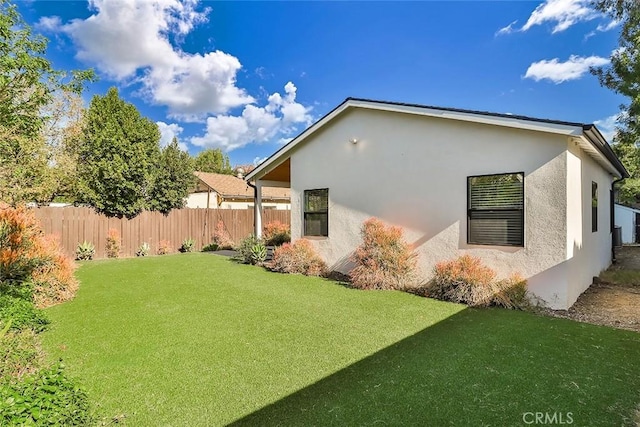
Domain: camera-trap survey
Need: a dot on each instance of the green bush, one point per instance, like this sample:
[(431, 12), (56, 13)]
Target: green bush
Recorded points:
[(258, 253), (210, 247), (245, 250), (45, 398), (19, 354), (21, 313), (85, 251), (187, 245)]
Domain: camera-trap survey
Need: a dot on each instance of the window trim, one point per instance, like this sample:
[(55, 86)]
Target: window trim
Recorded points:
[(521, 244), (305, 212)]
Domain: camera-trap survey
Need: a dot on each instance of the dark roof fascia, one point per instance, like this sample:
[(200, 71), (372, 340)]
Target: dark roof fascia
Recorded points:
[(601, 144), (460, 110)]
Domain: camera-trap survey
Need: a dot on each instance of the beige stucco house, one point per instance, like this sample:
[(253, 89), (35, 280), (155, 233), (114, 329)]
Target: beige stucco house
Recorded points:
[(525, 195), (220, 191)]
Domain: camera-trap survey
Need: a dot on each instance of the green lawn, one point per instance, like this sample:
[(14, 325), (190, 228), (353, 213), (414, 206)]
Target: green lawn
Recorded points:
[(196, 340)]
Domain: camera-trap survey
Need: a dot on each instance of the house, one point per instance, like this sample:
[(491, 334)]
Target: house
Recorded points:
[(628, 219), (525, 195), (221, 191)]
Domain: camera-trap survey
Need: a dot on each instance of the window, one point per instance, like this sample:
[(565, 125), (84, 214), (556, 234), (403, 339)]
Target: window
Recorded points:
[(594, 206), (495, 206), (316, 212)]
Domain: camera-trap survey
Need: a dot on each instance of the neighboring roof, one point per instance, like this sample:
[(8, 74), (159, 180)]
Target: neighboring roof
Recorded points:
[(595, 144), (232, 187)]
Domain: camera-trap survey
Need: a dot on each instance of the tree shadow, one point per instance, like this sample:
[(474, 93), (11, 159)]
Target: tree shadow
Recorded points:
[(478, 367)]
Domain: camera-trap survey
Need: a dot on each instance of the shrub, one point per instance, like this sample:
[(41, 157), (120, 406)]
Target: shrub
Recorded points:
[(187, 245), (47, 397), (20, 355), (53, 281), (19, 232), (21, 314), (466, 280), (276, 233), (164, 247), (258, 253), (143, 249), (210, 247), (114, 243), (85, 251), (383, 260), (512, 293), (32, 264), (245, 249), (297, 258), (221, 237)]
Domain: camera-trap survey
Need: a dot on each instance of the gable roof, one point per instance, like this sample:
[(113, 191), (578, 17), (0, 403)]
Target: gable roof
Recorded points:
[(587, 136), (232, 187)]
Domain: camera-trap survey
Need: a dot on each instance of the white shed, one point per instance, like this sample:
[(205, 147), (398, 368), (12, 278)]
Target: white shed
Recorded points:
[(628, 219)]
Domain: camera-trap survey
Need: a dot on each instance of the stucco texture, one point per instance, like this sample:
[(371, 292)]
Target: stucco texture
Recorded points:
[(412, 171)]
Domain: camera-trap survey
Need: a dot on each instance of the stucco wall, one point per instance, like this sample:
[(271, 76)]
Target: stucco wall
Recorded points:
[(588, 252), (412, 171), (626, 218)]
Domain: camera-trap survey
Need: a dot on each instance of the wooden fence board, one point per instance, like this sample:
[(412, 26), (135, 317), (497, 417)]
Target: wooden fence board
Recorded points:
[(74, 225)]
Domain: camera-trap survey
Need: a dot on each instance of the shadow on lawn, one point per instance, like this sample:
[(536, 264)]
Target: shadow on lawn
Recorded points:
[(478, 367)]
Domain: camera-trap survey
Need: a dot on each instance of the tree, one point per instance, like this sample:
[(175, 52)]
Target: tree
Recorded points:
[(213, 160), (622, 76), (174, 179), (27, 82), (117, 157), (63, 133)]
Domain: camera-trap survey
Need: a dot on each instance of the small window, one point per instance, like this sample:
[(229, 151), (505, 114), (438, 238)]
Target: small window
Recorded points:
[(316, 212), (594, 206), (495, 206)]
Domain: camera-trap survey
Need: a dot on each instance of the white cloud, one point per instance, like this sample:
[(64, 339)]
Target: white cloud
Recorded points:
[(506, 30), (130, 40), (561, 13), (280, 117), (48, 24), (558, 72), (608, 27), (258, 160), (168, 132), (607, 126)]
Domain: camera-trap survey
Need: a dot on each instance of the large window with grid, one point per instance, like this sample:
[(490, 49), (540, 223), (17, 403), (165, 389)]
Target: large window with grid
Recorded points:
[(316, 212), (495, 209)]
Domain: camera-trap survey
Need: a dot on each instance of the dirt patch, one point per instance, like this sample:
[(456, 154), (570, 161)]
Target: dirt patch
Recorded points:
[(614, 298)]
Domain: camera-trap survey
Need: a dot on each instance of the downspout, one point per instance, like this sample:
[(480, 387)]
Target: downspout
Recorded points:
[(255, 204), (613, 218)]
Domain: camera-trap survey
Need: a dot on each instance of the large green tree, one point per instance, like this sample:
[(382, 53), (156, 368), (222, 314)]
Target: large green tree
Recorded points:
[(213, 160), (622, 76), (173, 180), (27, 84), (118, 155)]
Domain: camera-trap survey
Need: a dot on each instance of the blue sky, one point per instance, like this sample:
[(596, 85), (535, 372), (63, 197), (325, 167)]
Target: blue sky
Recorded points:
[(248, 76)]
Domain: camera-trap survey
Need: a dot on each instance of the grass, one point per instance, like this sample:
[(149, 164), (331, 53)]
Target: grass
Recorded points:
[(621, 277), (197, 340)]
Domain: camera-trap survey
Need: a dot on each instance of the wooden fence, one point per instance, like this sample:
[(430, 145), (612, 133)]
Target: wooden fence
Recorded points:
[(75, 225)]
